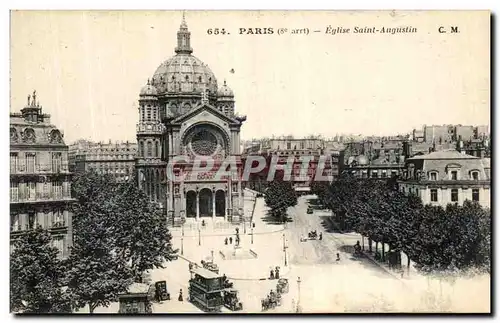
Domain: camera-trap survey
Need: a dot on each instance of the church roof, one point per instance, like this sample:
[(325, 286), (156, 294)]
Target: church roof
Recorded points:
[(184, 72)]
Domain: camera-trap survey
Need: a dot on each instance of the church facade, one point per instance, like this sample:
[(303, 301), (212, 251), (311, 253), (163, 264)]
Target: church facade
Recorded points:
[(184, 115)]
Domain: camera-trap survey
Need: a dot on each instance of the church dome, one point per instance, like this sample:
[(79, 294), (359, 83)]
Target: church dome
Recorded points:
[(184, 73), (225, 91), (148, 90)]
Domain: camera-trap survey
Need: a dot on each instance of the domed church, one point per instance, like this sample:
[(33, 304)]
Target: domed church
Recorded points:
[(184, 112)]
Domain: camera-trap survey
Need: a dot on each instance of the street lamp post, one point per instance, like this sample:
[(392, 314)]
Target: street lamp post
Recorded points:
[(244, 225), (284, 248), (212, 252), (199, 236), (252, 236), (182, 239), (298, 299)]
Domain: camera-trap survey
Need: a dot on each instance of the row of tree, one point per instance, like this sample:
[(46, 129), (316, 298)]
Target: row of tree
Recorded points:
[(118, 234), (435, 238), (279, 196)]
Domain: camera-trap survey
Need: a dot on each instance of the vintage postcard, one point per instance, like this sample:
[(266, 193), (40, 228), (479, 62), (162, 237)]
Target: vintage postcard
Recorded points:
[(250, 162)]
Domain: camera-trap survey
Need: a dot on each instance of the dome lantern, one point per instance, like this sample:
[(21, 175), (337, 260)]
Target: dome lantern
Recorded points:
[(148, 91), (183, 38), (225, 91)]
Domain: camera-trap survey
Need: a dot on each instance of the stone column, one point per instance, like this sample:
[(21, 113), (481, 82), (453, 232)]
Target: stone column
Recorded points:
[(230, 196), (213, 204), (183, 199), (240, 196), (226, 205), (197, 206), (170, 146)]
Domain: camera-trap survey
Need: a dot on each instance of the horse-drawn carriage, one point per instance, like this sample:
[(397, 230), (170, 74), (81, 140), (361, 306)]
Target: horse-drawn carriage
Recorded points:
[(231, 300), (313, 235), (282, 286), (272, 300)]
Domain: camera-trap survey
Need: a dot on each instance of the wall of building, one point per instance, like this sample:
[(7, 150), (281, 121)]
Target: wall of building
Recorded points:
[(444, 194), (40, 181)]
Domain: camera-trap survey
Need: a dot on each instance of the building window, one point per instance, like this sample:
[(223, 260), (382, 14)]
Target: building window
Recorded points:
[(403, 189), (32, 223), (454, 175), (374, 174), (56, 162), (475, 176), (56, 189), (475, 194), (288, 145), (454, 195), (384, 174), (31, 191), (142, 114), (434, 195), (433, 176), (58, 243), (58, 218), (13, 162), (30, 163), (148, 113), (150, 149), (14, 191), (394, 173), (157, 149), (14, 222)]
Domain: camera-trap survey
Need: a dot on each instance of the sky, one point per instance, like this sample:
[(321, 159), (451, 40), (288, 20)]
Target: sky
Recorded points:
[(89, 66)]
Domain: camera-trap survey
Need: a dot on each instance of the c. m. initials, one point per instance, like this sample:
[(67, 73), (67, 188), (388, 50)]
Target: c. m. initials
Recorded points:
[(451, 30)]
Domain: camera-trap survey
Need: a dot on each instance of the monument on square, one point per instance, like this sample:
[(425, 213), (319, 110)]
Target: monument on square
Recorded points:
[(238, 252)]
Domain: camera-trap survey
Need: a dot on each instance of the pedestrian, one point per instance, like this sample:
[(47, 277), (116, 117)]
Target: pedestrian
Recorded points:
[(277, 273), (181, 299), (338, 257), (230, 240), (321, 236), (271, 276), (225, 241)]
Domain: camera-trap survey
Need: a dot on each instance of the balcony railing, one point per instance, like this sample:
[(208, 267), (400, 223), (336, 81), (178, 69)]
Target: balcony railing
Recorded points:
[(18, 229), (39, 169), (44, 198)]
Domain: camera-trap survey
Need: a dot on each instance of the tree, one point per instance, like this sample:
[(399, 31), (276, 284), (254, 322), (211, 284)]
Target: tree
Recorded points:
[(119, 234), (279, 196), (95, 276), (436, 238), (142, 237), (36, 275), (455, 237)]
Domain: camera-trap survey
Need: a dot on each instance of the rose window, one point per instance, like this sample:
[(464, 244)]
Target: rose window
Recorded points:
[(204, 143)]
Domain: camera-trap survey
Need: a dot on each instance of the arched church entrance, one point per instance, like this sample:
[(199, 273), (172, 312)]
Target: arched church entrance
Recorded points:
[(220, 203), (206, 202), (191, 204)]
